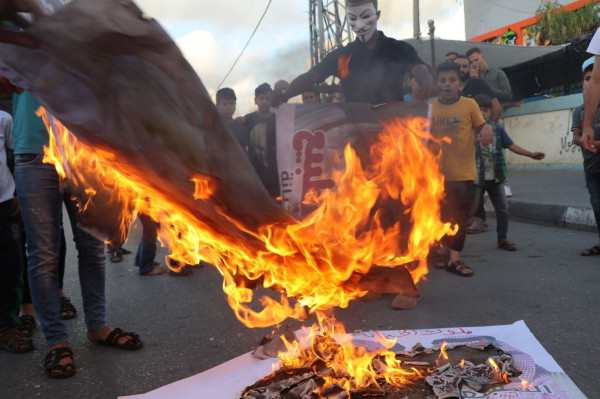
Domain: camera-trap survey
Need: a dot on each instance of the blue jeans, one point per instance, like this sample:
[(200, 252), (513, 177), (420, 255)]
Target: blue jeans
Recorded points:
[(498, 198), (42, 206), (592, 182), (146, 251)]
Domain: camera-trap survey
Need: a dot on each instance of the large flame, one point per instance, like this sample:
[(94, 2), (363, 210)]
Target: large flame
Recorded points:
[(310, 261), (329, 344)]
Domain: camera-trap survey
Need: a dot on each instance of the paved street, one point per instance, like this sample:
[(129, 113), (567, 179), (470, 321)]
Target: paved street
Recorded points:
[(188, 327)]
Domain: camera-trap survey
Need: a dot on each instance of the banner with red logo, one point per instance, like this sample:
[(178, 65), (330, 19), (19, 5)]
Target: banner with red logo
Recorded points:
[(311, 139)]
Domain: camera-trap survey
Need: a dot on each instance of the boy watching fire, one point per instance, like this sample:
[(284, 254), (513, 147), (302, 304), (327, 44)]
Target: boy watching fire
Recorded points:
[(490, 172), (226, 105), (262, 149), (455, 117)]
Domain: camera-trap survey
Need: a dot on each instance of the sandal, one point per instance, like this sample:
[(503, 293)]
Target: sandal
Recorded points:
[(67, 310), (459, 267), (134, 342), (13, 340), (593, 251), (116, 256), (507, 245), (51, 363), (124, 251), (26, 325)]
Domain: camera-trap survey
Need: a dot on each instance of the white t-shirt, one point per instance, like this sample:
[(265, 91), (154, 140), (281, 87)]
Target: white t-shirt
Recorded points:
[(7, 183), (594, 47)]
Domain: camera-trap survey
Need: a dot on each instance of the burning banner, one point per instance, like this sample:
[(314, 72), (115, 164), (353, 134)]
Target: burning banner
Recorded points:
[(146, 137), (133, 129)]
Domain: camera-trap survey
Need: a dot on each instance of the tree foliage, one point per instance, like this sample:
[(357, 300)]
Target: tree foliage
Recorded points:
[(554, 24)]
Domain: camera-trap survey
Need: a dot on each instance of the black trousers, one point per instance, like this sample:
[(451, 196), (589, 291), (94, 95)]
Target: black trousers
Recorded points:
[(11, 266)]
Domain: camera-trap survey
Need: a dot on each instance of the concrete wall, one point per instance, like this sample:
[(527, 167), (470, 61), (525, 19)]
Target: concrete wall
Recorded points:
[(544, 125), (482, 16)]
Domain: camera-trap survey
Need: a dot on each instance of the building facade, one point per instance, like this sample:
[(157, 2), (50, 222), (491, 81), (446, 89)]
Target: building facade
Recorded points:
[(506, 21)]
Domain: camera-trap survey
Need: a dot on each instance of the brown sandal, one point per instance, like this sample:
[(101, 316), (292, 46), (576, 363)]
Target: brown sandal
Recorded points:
[(459, 267), (51, 362)]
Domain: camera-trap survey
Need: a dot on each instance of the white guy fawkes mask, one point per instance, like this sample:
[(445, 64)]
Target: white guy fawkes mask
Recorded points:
[(363, 20)]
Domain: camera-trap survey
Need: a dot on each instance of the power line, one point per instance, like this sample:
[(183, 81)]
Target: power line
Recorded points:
[(246, 45)]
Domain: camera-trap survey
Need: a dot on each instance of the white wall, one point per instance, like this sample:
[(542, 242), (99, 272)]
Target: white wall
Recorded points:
[(549, 132)]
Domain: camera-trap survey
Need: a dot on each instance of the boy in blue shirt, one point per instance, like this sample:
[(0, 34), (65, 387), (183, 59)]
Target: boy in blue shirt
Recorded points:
[(490, 172)]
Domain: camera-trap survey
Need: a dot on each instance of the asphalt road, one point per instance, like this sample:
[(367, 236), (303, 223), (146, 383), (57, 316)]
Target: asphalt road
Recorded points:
[(188, 327)]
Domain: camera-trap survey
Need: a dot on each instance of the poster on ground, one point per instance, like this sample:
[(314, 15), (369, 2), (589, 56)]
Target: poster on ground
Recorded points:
[(546, 378)]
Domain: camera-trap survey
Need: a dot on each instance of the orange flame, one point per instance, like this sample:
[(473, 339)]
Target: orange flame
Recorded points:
[(443, 350), (310, 261), (526, 384), (343, 65), (344, 359)]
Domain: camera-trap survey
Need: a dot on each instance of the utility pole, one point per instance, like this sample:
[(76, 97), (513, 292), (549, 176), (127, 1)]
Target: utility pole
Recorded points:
[(416, 25), (431, 24), (329, 28)]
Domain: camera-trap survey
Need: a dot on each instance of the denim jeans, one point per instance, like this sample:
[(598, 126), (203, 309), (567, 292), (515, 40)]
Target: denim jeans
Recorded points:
[(42, 206), (498, 197), (592, 182), (146, 251)]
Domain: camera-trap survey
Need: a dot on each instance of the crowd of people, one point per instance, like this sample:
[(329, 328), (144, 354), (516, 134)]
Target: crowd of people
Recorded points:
[(466, 97)]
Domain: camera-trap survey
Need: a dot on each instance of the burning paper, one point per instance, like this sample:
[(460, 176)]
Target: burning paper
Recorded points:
[(146, 137), (541, 378)]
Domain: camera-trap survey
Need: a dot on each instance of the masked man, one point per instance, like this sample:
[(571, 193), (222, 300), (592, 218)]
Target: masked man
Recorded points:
[(372, 70), (373, 67)]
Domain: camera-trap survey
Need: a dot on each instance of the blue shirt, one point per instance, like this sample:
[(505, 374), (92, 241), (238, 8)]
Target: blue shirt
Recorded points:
[(29, 132)]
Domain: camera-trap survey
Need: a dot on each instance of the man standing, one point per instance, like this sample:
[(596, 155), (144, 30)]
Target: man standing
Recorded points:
[(591, 97), (496, 78), (470, 87), (372, 68)]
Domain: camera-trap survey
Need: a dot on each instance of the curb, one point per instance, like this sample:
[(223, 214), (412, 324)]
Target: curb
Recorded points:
[(565, 216)]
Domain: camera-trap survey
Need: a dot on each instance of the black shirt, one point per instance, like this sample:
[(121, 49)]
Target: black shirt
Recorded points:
[(375, 76), (262, 150), (239, 132), (476, 87)]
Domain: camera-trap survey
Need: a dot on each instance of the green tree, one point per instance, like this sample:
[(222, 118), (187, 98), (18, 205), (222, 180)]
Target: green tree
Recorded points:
[(554, 24)]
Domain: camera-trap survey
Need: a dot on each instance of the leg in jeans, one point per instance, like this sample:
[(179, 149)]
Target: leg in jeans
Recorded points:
[(498, 198), (62, 256), (91, 261), (477, 201), (592, 182), (146, 251), (41, 208)]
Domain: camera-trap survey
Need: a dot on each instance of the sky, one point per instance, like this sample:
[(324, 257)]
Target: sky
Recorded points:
[(212, 34)]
